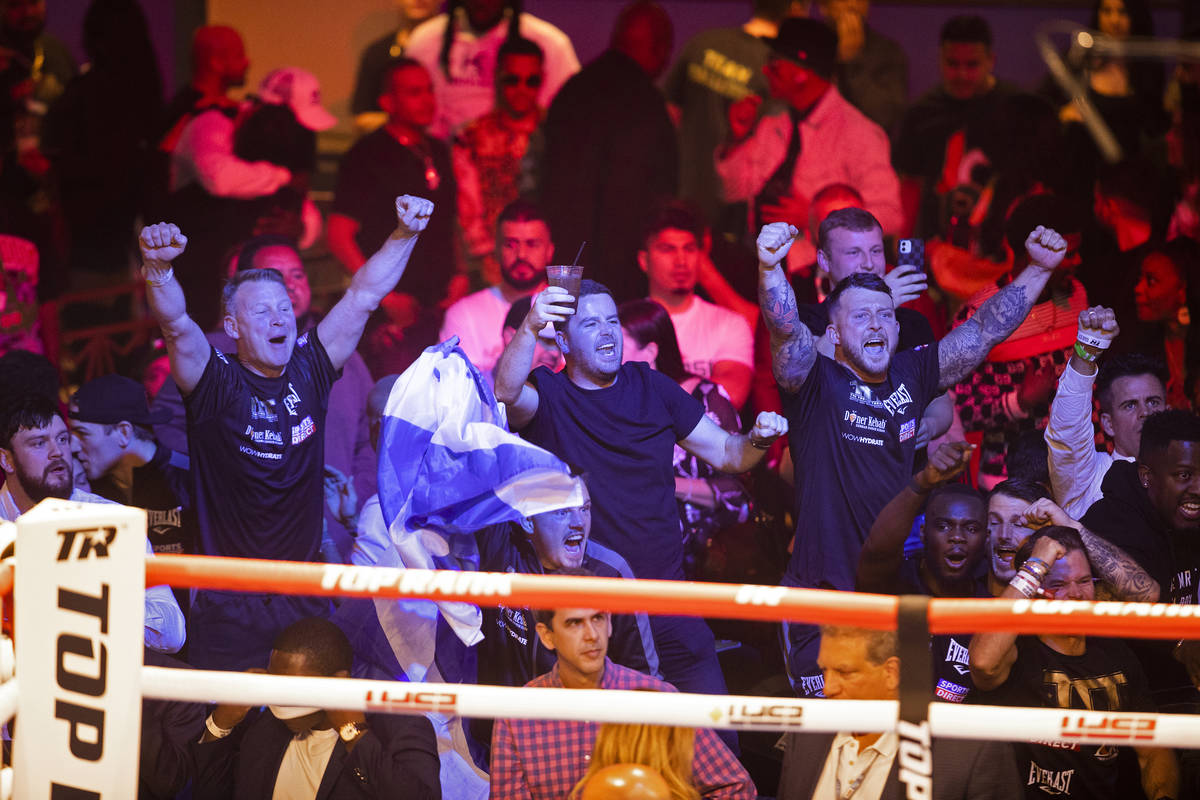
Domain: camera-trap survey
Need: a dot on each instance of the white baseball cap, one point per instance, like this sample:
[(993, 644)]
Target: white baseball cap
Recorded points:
[(299, 90)]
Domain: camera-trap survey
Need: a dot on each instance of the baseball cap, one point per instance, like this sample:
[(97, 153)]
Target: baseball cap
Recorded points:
[(110, 399), (299, 90), (809, 43)]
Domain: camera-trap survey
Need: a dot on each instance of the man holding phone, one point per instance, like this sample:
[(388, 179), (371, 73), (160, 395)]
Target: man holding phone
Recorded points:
[(850, 240)]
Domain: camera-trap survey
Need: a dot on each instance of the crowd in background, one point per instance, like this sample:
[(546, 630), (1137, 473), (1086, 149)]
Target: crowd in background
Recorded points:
[(829, 335)]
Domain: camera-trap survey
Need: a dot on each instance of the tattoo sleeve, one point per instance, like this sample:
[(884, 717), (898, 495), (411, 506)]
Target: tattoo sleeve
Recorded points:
[(793, 347), (965, 347), (1111, 564)]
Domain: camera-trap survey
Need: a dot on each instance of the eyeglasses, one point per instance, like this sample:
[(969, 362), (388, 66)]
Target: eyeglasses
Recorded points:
[(532, 81)]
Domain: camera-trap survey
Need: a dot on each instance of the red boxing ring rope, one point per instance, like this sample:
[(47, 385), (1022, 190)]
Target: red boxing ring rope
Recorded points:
[(718, 600)]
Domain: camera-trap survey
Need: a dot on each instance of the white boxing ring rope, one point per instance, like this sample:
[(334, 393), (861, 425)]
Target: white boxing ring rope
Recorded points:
[(712, 600)]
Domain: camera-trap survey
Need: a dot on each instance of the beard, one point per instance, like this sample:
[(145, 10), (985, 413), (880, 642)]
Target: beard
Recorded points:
[(519, 267), (40, 487)]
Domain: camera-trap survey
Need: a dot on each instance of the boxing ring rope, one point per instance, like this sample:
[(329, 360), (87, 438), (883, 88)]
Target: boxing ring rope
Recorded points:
[(686, 598), (67, 567)]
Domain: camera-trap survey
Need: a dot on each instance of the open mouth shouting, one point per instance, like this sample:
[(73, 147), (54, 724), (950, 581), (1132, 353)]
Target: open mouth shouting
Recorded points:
[(277, 340), (875, 346), (607, 349), (956, 559), (1189, 509)]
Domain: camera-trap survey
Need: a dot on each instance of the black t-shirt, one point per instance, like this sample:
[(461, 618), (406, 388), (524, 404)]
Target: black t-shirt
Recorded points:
[(915, 330), (853, 444), (1107, 677), (1125, 517), (624, 438), (377, 170), (257, 450)]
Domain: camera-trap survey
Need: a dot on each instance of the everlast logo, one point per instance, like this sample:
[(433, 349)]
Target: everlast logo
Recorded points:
[(1053, 782), (916, 760), (91, 541), (420, 702), (82, 656), (774, 715)]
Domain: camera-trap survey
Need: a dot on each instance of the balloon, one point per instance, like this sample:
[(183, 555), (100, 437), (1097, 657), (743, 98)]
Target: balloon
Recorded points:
[(626, 782)]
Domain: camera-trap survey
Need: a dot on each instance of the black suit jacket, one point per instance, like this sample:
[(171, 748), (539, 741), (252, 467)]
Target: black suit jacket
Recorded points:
[(962, 770), (396, 758)]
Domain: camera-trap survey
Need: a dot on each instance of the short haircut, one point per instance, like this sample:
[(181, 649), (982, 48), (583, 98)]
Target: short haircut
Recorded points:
[(229, 293), (966, 29), (23, 372), (1069, 538), (674, 214), (546, 615), (586, 287), (1039, 209), (519, 46), (522, 210), (323, 644), (393, 66), (1021, 489), (957, 490), (881, 645), (251, 248), (517, 312), (851, 219), (1027, 457), (857, 280), (1172, 425), (1125, 365), (25, 412)]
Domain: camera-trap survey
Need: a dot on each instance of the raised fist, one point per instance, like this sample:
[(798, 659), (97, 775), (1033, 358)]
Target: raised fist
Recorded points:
[(774, 241), (1045, 247), (413, 214), (1097, 328), (162, 242), (768, 427)]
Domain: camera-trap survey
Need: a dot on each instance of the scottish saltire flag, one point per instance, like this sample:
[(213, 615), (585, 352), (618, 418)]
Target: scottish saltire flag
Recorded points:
[(447, 463)]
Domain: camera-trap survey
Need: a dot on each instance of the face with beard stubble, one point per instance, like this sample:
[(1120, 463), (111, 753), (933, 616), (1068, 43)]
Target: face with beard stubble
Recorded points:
[(40, 460), (525, 250)]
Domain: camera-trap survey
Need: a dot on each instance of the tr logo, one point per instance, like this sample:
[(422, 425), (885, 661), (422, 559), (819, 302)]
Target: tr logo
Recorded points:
[(91, 540)]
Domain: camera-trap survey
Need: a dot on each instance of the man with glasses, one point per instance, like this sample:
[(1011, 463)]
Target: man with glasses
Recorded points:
[(488, 150)]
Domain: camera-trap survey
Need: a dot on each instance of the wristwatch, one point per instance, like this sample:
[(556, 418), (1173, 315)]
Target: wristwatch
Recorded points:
[(352, 730)]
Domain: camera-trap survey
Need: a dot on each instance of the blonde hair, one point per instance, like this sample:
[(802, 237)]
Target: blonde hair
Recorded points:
[(663, 748)]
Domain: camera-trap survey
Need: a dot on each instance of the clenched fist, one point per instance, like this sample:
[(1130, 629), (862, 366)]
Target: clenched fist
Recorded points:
[(774, 241), (162, 242), (413, 214), (1045, 247), (768, 427)]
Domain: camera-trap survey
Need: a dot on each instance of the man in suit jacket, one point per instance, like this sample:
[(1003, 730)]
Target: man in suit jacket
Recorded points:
[(860, 664), (313, 752)]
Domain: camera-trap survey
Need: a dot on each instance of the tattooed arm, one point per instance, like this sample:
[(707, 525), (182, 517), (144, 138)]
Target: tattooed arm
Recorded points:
[(1109, 563), (793, 347), (965, 347)]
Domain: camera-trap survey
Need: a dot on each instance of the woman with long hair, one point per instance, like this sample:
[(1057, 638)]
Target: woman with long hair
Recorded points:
[(708, 500), (666, 749)]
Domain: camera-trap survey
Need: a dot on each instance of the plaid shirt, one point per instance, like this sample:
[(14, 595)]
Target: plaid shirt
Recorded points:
[(544, 759)]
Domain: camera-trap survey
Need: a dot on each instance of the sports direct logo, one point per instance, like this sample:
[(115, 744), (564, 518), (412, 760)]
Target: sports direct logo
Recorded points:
[(1108, 728)]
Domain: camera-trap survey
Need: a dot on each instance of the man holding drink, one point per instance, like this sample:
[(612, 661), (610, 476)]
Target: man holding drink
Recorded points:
[(619, 424)]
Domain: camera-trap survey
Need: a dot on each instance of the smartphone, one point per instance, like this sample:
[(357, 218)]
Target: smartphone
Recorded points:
[(911, 252)]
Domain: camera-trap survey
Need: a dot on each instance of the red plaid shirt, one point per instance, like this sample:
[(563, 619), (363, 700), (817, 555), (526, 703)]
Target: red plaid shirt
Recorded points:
[(544, 759)]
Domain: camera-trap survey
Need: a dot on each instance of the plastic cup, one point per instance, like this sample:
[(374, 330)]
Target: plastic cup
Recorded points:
[(568, 276)]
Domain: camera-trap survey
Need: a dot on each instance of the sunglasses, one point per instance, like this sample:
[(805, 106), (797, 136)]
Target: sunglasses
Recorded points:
[(532, 81)]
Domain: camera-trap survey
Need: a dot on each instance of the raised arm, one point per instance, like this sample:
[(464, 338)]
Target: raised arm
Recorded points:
[(992, 655), (1075, 466), (1110, 563), (965, 347), (883, 552), (343, 325), (512, 369), (734, 452), (793, 348), (187, 348)]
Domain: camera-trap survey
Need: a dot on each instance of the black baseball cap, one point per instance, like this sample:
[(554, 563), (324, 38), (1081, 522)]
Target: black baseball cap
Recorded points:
[(110, 399), (807, 42)]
